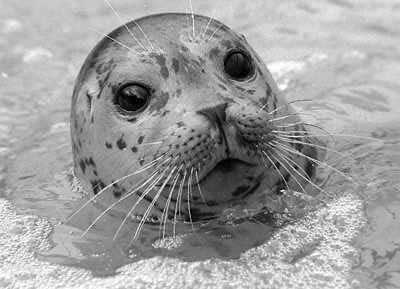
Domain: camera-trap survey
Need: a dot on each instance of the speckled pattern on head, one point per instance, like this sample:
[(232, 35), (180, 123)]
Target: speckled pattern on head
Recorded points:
[(208, 136)]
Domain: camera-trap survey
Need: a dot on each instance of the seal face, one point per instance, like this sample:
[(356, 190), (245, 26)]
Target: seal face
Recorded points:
[(171, 125)]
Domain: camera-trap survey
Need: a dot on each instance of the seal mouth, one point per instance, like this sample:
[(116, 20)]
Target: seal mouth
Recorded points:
[(220, 172), (226, 166)]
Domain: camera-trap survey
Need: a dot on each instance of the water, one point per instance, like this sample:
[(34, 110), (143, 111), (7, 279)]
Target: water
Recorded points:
[(344, 55)]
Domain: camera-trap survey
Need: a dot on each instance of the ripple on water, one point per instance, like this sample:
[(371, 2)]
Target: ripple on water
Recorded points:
[(316, 251)]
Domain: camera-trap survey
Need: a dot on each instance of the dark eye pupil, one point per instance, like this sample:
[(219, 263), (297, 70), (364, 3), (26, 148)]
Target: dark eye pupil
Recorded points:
[(238, 65), (133, 98)]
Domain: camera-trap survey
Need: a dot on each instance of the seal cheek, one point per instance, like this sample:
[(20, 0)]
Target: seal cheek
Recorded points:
[(160, 103)]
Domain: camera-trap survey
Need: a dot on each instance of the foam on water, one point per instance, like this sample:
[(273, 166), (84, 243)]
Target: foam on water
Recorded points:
[(298, 36), (315, 252)]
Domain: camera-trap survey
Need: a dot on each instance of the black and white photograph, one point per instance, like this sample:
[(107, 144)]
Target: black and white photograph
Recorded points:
[(197, 144)]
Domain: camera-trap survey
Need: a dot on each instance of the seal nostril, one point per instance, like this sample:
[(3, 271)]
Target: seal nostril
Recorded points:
[(217, 116)]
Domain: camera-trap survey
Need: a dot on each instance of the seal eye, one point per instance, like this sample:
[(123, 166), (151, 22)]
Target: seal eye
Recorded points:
[(133, 98), (238, 65)]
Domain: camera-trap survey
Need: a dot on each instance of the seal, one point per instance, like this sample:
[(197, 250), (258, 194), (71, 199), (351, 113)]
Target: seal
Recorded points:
[(176, 121)]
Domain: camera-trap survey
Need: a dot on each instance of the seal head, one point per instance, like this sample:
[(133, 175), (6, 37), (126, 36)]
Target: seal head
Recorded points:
[(177, 124)]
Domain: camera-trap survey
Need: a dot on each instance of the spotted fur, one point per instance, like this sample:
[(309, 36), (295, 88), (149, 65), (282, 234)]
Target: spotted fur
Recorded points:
[(198, 118)]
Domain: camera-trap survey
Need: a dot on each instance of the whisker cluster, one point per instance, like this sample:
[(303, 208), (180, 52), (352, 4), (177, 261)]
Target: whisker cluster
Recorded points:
[(169, 176), (278, 152), (281, 149), (164, 169)]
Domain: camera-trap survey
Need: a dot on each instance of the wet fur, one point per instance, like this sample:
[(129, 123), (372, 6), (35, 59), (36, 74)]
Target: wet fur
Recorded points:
[(197, 118)]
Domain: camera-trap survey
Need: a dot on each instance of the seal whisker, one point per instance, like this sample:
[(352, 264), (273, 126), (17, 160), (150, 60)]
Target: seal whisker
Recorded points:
[(290, 125), (284, 105), (126, 26), (215, 31), (289, 171), (116, 203), (342, 155), (290, 135), (321, 129), (178, 203), (146, 37), (289, 115), (286, 159), (152, 143), (146, 167), (150, 207), (189, 195), (181, 193), (307, 124), (303, 173), (206, 27), (144, 194), (192, 14), (314, 145), (291, 164), (164, 216), (141, 197), (115, 40), (284, 147), (301, 133), (198, 186), (276, 168)]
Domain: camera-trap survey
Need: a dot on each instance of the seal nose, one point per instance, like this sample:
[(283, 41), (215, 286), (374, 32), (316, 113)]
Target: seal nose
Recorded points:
[(217, 117), (216, 114)]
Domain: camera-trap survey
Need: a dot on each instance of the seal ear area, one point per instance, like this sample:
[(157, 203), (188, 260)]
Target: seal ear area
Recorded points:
[(84, 97)]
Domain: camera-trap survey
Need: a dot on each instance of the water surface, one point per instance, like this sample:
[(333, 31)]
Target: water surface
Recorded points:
[(342, 54)]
